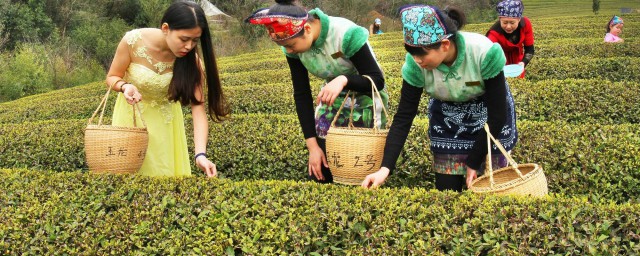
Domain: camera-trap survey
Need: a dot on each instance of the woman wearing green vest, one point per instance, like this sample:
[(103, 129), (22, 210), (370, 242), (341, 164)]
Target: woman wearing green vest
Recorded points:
[(462, 74), (336, 50)]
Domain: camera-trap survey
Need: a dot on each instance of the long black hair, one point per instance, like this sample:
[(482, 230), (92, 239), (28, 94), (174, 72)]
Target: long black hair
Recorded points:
[(186, 70), (290, 8), (453, 18)]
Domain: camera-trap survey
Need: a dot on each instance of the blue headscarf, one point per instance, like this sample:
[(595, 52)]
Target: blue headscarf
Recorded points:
[(510, 8)]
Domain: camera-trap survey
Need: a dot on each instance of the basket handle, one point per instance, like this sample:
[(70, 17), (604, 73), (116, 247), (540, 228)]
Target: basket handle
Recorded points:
[(335, 118), (136, 108), (374, 92), (488, 167), (103, 106)]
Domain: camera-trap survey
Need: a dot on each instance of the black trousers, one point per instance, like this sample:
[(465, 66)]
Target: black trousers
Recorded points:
[(328, 178), (454, 182), (450, 182)]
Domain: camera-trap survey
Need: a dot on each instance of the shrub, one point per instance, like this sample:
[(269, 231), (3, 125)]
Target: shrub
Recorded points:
[(579, 160), (76, 213), (548, 100), (388, 50), (26, 74), (71, 103)]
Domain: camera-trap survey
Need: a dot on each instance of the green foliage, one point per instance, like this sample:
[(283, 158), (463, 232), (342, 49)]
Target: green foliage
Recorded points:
[(26, 74), (71, 103), (39, 68), (578, 160), (583, 132), (24, 21), (612, 69), (153, 10), (545, 100), (388, 50), (77, 213), (100, 37)]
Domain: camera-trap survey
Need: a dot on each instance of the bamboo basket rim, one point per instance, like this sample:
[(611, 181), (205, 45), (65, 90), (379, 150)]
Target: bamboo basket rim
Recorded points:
[(358, 131), (499, 187), (491, 187), (115, 128)]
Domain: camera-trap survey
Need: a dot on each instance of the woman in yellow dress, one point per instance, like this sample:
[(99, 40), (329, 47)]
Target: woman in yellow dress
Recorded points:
[(160, 70)]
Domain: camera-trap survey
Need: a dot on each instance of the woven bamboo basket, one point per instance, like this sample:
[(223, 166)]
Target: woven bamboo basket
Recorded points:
[(516, 179), (115, 149), (354, 152)]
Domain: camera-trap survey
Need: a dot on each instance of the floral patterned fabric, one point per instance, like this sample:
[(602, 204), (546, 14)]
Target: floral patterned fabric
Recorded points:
[(510, 8), (454, 164), (422, 26)]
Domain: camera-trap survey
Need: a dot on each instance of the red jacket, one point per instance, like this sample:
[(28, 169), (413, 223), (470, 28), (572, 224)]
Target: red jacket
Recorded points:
[(513, 52)]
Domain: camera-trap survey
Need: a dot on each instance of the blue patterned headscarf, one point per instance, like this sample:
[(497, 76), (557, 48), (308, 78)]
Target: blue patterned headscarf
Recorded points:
[(422, 25), (615, 21), (510, 8)]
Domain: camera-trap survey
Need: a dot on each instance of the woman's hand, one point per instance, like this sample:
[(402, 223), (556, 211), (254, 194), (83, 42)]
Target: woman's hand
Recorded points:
[(207, 166), (471, 175), (330, 91), (376, 179), (131, 93), (316, 160)]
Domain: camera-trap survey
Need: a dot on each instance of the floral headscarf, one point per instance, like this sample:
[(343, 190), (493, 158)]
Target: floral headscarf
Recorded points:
[(615, 21), (510, 8), (422, 26)]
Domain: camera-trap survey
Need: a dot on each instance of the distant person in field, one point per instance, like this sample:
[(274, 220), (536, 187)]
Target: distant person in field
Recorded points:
[(463, 75), (333, 49), (374, 29), (614, 29), (514, 33), (163, 67)]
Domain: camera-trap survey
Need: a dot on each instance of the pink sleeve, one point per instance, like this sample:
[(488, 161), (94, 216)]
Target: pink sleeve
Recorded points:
[(609, 38)]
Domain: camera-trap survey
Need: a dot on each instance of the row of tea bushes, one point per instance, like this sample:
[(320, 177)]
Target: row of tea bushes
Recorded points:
[(579, 160), (588, 48), (611, 69), (560, 68), (391, 52), (547, 100), (71, 103), (569, 27), (47, 213)]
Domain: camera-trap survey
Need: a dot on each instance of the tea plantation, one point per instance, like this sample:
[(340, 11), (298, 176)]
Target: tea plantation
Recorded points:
[(578, 116)]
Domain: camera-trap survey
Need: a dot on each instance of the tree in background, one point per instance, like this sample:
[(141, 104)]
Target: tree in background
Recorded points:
[(595, 7), (24, 21)]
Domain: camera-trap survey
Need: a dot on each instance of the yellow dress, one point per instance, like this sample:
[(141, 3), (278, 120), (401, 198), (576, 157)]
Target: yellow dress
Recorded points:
[(167, 154)]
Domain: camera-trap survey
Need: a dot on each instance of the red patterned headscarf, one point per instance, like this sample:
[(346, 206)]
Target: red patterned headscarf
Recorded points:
[(279, 27)]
